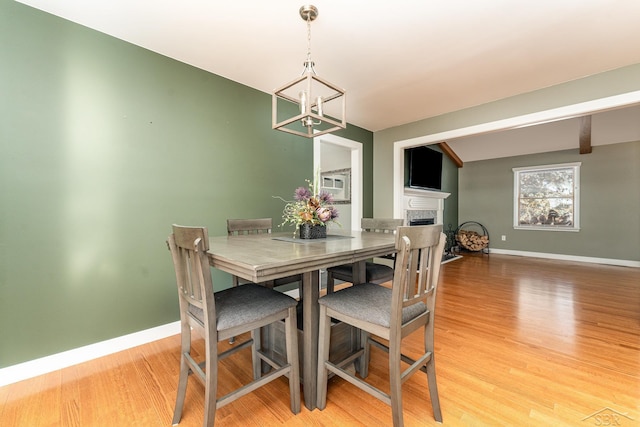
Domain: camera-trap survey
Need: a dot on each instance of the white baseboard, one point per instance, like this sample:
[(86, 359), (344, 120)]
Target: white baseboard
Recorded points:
[(451, 259), (593, 260), (33, 368)]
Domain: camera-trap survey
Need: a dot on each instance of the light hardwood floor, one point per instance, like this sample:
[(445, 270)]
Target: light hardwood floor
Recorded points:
[(519, 342)]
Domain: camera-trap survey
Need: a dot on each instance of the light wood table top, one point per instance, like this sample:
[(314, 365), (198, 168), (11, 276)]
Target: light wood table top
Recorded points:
[(262, 257)]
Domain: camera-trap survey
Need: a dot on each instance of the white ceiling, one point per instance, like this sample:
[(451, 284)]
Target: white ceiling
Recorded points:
[(399, 61)]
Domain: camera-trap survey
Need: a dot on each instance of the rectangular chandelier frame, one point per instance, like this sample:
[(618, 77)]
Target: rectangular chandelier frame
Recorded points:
[(309, 79)]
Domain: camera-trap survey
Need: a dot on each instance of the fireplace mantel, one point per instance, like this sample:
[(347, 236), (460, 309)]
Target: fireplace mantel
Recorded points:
[(408, 191), (431, 203)]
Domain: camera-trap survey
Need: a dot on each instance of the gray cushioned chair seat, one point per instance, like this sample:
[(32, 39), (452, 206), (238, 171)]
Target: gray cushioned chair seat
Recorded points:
[(256, 302), (369, 302), (375, 272), (344, 269)]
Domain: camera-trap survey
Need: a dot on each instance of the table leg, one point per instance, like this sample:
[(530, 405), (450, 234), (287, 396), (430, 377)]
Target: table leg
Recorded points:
[(310, 313), (359, 272)]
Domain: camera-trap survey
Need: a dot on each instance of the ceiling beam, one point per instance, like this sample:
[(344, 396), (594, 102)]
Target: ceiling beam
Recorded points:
[(585, 134), (450, 154)]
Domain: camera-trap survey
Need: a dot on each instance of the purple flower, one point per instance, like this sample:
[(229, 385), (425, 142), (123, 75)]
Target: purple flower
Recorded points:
[(302, 193), (325, 197), (334, 212)]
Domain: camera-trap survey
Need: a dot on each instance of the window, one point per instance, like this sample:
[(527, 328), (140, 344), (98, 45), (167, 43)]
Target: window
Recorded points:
[(547, 197)]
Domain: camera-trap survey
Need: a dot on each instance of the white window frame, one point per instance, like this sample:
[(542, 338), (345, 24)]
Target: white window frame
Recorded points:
[(517, 172)]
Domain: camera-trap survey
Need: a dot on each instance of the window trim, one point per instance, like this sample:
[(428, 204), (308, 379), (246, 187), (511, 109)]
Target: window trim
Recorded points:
[(576, 196)]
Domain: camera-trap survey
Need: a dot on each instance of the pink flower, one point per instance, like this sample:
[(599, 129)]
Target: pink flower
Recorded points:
[(324, 214)]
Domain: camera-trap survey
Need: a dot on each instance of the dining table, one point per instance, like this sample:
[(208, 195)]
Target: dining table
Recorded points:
[(268, 256)]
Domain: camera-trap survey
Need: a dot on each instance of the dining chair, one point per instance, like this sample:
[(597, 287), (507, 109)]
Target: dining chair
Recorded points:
[(391, 314), (258, 226), (375, 272), (220, 315)]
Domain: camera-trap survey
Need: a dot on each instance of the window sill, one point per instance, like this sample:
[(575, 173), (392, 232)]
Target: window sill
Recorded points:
[(549, 228)]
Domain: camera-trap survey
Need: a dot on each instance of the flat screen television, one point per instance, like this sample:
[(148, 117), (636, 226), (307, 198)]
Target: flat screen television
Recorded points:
[(425, 168)]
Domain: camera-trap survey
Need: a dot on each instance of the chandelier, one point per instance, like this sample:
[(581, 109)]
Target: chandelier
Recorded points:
[(309, 106)]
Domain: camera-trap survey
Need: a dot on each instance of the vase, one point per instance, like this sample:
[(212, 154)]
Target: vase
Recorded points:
[(309, 231)]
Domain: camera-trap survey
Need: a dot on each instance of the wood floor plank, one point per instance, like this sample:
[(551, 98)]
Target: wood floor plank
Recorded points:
[(519, 342), (4, 397), (25, 408)]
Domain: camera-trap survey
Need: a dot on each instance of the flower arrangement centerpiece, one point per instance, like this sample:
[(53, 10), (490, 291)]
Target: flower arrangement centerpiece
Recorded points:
[(310, 211)]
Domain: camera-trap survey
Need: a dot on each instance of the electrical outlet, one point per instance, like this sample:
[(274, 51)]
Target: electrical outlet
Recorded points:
[(504, 238)]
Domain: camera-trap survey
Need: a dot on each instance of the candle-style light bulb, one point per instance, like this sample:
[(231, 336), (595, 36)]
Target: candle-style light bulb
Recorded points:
[(303, 102), (319, 105)]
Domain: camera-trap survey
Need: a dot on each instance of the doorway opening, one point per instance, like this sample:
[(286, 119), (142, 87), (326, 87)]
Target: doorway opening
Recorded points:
[(332, 152)]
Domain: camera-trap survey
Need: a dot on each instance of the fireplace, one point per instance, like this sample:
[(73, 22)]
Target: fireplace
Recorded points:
[(423, 207)]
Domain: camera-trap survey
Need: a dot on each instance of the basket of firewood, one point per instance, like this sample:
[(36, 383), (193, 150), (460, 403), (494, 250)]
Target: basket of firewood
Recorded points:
[(473, 237)]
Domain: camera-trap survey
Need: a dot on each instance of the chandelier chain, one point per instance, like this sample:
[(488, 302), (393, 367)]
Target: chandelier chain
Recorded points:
[(309, 37)]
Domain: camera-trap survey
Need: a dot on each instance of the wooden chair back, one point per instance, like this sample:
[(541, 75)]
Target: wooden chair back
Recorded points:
[(189, 246), (249, 226), (417, 269), (381, 225)]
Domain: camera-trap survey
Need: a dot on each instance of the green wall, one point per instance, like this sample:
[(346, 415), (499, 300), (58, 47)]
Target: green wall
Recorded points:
[(103, 145), (609, 203)]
